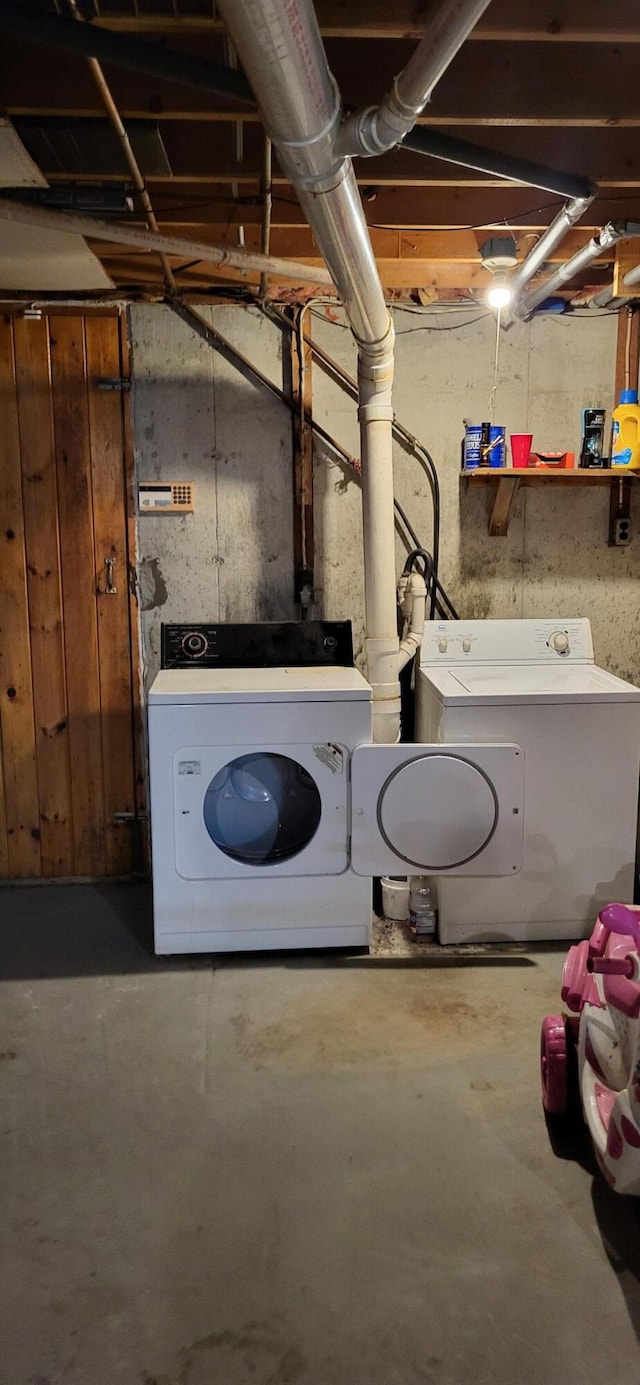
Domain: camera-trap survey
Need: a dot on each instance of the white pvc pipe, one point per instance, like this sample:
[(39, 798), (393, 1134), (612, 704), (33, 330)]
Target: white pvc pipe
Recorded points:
[(375, 415), (415, 603)]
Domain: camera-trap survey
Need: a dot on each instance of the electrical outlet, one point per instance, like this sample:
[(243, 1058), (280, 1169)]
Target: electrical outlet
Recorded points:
[(621, 531)]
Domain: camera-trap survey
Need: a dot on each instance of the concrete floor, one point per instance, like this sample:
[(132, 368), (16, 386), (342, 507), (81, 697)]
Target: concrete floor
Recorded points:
[(296, 1169)]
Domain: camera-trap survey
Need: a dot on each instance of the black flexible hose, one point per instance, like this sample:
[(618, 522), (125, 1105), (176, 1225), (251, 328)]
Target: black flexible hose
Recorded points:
[(440, 602)]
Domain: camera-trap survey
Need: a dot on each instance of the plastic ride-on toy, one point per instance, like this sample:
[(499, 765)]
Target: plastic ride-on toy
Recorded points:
[(593, 1054)]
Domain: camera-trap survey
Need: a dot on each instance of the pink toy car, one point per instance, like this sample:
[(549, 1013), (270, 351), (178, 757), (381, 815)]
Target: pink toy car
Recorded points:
[(601, 986)]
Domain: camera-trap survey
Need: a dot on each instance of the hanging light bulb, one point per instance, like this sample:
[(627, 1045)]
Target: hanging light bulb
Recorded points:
[(499, 295), (499, 254)]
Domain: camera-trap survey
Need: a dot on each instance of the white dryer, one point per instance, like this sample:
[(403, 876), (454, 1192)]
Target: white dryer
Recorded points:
[(270, 808), (535, 682)]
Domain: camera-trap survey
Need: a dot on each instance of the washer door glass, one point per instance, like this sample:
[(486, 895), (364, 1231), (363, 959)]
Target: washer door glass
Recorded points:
[(262, 808)]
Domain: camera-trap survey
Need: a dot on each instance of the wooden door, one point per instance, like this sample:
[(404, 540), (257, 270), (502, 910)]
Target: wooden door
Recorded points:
[(70, 757)]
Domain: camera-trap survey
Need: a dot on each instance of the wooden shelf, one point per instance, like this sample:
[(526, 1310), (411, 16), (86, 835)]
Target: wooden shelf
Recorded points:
[(508, 480)]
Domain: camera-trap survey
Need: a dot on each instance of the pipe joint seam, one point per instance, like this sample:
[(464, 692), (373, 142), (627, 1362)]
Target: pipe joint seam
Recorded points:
[(375, 413), (384, 692), (400, 114), (358, 134), (318, 184), (325, 130)]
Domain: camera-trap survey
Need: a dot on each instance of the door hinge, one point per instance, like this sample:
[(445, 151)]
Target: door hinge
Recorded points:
[(114, 382), (129, 817)]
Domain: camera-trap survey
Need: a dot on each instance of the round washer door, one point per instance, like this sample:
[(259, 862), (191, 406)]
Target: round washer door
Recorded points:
[(437, 811)]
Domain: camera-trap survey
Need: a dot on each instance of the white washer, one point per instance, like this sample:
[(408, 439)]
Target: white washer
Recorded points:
[(535, 682)]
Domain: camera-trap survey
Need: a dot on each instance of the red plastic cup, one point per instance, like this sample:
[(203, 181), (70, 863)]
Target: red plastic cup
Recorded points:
[(520, 448)]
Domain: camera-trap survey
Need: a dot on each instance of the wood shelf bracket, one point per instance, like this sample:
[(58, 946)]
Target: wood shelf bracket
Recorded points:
[(507, 484)]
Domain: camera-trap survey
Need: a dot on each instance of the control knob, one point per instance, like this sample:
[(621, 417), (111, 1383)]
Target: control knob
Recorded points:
[(466, 646), (443, 645), (559, 641), (195, 645)]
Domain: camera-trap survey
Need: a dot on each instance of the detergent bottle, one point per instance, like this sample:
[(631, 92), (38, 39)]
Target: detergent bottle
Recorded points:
[(625, 447)]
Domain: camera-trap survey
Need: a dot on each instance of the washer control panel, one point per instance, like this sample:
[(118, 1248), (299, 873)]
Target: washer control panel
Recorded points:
[(270, 644), (506, 642)]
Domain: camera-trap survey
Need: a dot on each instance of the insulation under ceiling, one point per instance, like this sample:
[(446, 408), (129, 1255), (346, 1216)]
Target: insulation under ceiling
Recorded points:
[(32, 259), (38, 261), (17, 169)]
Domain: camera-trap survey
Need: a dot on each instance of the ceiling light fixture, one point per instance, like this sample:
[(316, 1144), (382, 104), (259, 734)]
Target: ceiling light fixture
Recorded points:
[(499, 295), (498, 255)]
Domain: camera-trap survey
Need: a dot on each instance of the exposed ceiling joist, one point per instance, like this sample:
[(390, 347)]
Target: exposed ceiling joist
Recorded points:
[(528, 21), (494, 84), (518, 88)]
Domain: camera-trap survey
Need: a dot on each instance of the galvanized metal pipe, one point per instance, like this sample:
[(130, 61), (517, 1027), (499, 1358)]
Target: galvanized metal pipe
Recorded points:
[(378, 128), (91, 40), (554, 234), (608, 236)]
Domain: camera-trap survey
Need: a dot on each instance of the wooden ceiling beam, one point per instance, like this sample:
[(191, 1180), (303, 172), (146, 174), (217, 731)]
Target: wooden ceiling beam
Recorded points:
[(491, 82), (609, 157), (166, 114), (412, 208), (126, 268), (560, 21), (434, 247)]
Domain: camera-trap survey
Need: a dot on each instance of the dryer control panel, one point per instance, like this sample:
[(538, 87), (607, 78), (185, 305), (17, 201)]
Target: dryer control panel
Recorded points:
[(268, 644)]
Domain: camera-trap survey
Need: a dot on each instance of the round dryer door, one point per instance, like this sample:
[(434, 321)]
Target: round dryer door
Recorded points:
[(437, 811), (262, 808)]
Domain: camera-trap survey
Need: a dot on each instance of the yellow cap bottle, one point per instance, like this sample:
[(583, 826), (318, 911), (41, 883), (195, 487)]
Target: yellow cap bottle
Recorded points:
[(625, 450)]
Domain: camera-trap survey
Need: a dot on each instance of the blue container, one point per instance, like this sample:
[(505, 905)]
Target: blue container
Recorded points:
[(473, 442), (471, 449)]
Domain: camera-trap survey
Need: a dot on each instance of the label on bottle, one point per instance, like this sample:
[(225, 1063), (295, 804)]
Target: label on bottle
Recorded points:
[(423, 925)]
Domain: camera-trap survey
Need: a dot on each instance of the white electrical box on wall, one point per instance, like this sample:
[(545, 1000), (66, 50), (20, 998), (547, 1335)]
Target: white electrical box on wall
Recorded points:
[(165, 497)]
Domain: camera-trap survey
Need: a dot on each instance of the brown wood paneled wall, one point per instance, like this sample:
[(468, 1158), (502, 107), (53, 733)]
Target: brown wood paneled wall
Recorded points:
[(70, 755)]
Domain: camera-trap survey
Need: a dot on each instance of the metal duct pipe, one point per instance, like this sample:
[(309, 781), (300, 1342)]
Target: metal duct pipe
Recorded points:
[(282, 54), (608, 236), (605, 298), (633, 277), (549, 239), (378, 128)]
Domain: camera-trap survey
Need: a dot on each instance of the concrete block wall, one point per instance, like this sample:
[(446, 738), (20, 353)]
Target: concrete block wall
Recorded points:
[(195, 418)]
